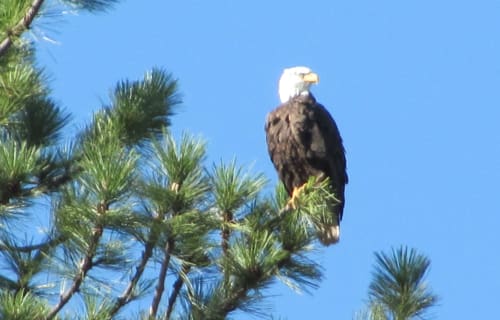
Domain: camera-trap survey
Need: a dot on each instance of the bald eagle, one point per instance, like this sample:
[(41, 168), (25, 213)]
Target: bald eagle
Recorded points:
[(303, 141)]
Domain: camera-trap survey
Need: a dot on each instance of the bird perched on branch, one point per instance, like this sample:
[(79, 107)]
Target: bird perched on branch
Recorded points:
[(303, 142)]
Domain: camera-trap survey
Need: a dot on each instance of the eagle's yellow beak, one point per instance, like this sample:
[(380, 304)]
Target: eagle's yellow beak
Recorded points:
[(311, 77)]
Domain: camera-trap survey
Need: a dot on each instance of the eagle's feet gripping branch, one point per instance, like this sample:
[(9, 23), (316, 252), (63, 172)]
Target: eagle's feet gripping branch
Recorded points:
[(327, 225), (292, 204)]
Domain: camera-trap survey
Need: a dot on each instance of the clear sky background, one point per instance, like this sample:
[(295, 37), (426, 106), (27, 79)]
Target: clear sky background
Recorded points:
[(413, 85)]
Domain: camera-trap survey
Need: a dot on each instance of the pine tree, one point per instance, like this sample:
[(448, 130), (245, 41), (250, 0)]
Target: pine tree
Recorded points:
[(127, 209)]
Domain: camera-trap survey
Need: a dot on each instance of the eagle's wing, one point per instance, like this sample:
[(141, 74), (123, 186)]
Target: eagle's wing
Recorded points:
[(326, 143), (317, 132), (278, 134)]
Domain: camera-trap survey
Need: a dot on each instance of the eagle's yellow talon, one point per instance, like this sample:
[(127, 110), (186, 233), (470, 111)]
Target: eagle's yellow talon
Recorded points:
[(293, 202)]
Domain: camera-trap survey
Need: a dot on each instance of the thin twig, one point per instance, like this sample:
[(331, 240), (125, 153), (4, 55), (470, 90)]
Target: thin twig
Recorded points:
[(85, 266), (176, 288), (127, 293), (21, 26), (41, 246), (160, 287), (234, 301)]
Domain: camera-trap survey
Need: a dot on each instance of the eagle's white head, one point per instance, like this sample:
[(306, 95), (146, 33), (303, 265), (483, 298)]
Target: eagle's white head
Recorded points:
[(295, 82)]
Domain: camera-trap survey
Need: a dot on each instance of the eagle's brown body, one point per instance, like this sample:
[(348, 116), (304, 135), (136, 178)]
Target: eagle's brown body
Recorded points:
[(303, 141)]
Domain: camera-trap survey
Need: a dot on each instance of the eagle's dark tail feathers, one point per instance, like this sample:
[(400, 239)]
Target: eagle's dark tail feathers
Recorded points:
[(329, 231), (328, 226)]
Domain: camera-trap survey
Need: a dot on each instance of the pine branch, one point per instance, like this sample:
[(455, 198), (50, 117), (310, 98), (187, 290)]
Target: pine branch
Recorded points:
[(160, 288), (23, 266), (40, 121), (232, 189), (176, 288), (140, 110), (42, 251), (22, 305), (234, 301), (57, 170), (398, 283), (127, 293), (18, 162), (273, 244), (240, 295), (21, 26), (85, 266), (31, 13), (226, 231), (54, 183), (41, 246)]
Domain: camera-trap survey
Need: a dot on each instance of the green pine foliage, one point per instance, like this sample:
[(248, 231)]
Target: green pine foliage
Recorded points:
[(124, 220), (91, 5), (11, 11), (21, 305), (399, 286), (398, 290)]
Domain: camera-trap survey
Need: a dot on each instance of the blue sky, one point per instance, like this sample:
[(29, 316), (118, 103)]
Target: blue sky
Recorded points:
[(413, 85)]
